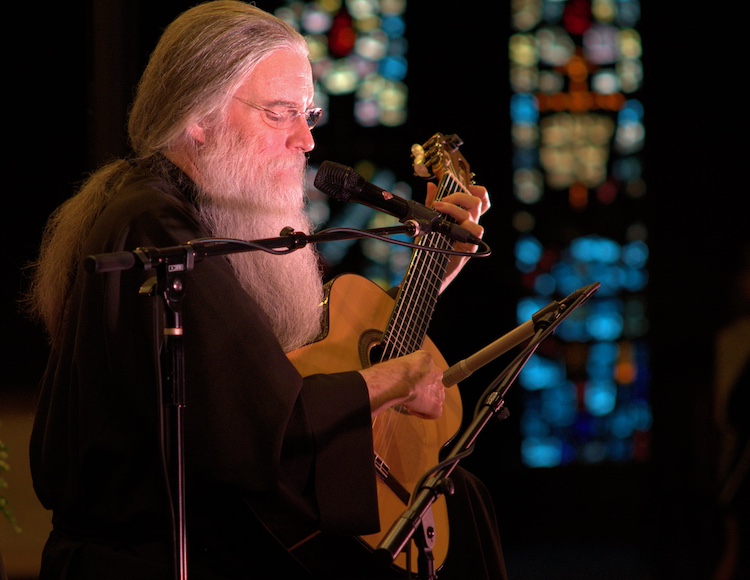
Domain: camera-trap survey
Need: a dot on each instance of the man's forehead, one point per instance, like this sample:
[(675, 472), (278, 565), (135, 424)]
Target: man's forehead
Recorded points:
[(283, 76)]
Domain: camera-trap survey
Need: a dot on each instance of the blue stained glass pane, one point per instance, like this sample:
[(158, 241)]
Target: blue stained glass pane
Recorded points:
[(634, 280), (635, 254), (523, 108), (605, 320), (631, 112), (592, 248), (598, 368), (541, 373), (542, 452), (528, 250), (622, 424), (604, 351), (600, 397), (393, 26), (393, 68)]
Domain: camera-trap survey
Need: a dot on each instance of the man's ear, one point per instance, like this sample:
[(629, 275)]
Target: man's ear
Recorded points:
[(197, 133)]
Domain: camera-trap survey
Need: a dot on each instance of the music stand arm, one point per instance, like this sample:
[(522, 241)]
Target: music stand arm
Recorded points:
[(402, 530)]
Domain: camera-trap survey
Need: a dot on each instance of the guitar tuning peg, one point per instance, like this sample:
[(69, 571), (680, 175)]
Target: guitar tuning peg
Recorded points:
[(422, 171), (417, 153)]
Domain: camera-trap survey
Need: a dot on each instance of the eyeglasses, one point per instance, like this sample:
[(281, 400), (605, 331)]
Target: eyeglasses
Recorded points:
[(279, 120)]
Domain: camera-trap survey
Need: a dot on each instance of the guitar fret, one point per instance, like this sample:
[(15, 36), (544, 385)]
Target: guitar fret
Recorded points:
[(420, 289)]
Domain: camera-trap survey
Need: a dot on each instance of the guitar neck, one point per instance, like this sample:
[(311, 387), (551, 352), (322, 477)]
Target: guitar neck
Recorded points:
[(420, 288)]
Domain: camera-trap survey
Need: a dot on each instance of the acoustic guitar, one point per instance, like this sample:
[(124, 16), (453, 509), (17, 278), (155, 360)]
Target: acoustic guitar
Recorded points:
[(375, 327)]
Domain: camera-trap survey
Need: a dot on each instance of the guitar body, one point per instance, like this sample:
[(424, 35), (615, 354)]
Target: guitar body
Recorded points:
[(352, 330)]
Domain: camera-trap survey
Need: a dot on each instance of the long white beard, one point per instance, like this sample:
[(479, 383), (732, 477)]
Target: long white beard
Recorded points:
[(246, 197)]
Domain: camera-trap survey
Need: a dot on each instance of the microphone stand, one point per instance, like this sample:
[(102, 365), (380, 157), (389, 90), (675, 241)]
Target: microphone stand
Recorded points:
[(171, 263), (411, 523), (169, 284)]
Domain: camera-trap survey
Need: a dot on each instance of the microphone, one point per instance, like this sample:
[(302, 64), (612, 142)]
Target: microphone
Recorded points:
[(467, 366), (342, 183)]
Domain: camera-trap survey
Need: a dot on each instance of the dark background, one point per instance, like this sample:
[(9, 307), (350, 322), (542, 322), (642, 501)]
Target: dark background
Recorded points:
[(74, 78)]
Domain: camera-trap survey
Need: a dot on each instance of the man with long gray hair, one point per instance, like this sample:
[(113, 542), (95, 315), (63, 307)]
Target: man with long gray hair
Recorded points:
[(220, 130)]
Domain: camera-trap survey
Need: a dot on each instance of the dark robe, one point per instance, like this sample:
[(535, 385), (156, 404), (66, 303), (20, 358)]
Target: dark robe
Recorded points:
[(261, 444)]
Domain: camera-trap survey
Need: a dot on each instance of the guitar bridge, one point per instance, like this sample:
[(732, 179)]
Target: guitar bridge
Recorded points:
[(384, 472)]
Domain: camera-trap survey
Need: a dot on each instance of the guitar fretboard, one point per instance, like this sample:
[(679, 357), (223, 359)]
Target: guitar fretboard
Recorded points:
[(417, 297)]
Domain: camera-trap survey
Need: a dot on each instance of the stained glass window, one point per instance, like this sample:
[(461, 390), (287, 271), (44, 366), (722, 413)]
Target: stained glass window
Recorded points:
[(578, 136), (357, 47)]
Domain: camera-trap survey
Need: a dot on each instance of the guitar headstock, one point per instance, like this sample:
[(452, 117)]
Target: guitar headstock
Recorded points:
[(440, 155)]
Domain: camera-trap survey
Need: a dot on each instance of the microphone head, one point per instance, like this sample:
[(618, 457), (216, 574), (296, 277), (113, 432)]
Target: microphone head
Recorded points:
[(336, 180)]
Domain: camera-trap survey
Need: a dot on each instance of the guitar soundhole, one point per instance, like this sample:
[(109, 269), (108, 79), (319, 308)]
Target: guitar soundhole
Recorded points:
[(370, 349), (376, 354), (371, 352)]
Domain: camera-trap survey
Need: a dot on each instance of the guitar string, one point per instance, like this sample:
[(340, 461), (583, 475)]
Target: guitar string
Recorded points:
[(427, 286), (422, 292)]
